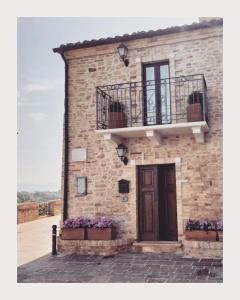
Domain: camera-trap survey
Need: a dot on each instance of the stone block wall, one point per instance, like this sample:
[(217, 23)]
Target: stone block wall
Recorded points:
[(55, 207), (198, 176), (203, 249), (87, 247), (27, 212)]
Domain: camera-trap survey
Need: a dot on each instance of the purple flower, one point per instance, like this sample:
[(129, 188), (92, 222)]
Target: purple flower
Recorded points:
[(219, 225), (76, 223), (204, 225), (101, 223)]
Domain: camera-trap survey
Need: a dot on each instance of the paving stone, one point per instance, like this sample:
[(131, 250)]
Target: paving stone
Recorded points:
[(184, 262), (118, 279), (136, 279), (153, 268), (155, 280), (178, 280)]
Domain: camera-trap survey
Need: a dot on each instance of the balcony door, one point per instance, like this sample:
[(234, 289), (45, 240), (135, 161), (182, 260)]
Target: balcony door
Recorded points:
[(156, 90)]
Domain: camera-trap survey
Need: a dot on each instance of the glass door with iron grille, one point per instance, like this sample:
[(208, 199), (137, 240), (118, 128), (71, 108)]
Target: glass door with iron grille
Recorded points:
[(156, 87)]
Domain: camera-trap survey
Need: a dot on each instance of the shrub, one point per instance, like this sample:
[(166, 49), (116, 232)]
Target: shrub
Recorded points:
[(195, 97), (43, 209), (116, 107)]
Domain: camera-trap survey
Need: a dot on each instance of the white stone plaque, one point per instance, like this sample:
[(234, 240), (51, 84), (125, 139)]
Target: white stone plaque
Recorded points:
[(79, 154), (82, 185)]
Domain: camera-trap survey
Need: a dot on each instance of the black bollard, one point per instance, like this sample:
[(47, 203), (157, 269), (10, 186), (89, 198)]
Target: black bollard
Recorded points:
[(54, 239)]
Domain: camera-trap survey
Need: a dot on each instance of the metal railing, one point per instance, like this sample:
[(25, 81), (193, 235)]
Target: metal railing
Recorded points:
[(171, 100)]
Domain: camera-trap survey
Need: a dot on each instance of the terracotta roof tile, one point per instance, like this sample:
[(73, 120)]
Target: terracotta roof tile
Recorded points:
[(137, 35)]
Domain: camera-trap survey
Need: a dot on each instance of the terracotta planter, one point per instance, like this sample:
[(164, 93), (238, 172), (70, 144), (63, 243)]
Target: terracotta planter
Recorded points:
[(101, 234), (198, 235), (117, 120), (73, 234), (194, 112), (220, 236)]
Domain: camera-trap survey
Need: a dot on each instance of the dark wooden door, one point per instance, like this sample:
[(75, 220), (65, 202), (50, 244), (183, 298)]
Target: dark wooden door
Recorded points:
[(157, 209), (167, 203), (148, 203)]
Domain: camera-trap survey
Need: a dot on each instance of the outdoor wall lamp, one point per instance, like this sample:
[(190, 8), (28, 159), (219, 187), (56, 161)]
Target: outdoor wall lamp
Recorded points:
[(122, 153), (122, 51)]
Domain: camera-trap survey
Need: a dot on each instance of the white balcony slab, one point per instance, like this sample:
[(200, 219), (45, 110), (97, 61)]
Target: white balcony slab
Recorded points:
[(114, 138), (155, 132), (153, 136)]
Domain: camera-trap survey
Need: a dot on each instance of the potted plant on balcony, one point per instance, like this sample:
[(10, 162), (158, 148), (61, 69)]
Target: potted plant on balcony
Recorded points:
[(219, 228), (195, 107), (202, 230), (74, 229), (101, 229), (116, 115)]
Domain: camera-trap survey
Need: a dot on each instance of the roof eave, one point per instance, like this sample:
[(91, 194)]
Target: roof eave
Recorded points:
[(139, 35)]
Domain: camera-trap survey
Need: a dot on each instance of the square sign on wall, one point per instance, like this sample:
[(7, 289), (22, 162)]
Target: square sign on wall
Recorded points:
[(79, 154)]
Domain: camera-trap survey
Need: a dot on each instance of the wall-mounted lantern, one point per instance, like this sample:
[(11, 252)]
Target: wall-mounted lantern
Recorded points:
[(123, 51), (122, 153)]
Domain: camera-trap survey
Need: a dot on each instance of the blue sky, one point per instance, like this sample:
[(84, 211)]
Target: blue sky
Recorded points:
[(41, 87)]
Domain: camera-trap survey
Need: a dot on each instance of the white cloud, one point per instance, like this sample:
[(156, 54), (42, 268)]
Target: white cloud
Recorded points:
[(37, 116), (42, 85), (37, 87), (23, 101)]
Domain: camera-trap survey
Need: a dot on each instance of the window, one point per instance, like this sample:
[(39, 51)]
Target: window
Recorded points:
[(157, 106), (82, 186)]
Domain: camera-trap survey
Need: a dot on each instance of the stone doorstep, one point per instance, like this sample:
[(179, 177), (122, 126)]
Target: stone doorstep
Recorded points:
[(157, 247)]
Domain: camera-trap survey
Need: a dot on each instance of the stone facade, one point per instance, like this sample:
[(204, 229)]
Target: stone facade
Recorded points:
[(199, 167)]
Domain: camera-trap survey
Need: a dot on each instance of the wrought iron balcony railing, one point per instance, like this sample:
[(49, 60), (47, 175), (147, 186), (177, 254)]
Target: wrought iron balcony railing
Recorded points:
[(171, 100)]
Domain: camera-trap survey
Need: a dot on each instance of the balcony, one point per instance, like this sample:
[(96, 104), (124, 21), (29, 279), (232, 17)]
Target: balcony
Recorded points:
[(171, 106)]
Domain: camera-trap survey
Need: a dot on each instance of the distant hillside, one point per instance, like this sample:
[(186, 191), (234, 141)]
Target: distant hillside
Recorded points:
[(37, 196)]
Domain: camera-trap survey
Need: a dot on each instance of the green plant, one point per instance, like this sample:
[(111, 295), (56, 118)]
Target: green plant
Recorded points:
[(195, 97), (116, 106)]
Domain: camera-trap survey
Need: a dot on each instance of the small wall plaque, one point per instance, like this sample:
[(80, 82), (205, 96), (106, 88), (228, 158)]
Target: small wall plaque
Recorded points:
[(123, 186), (79, 154), (82, 186)]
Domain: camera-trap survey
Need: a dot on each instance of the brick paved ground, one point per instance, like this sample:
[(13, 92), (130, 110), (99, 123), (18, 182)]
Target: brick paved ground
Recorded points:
[(126, 267)]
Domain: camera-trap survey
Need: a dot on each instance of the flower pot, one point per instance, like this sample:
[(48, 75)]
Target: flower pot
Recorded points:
[(198, 235), (194, 112), (117, 120), (73, 234), (101, 233), (220, 236)]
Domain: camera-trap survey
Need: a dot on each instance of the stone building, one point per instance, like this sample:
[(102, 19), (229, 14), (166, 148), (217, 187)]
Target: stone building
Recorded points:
[(161, 101)]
